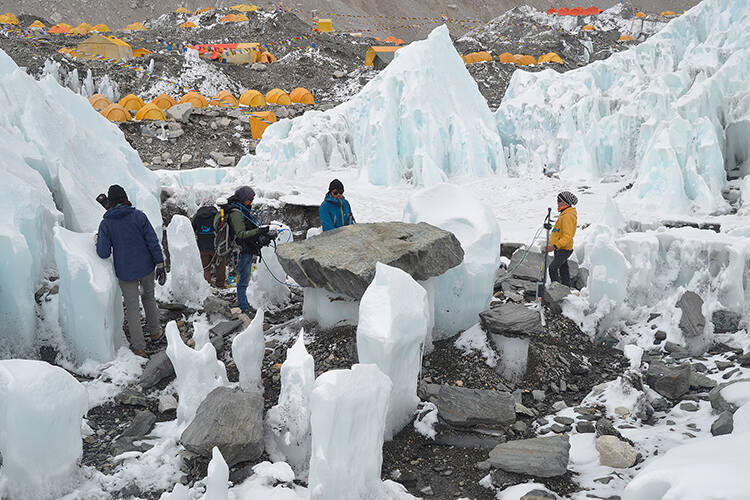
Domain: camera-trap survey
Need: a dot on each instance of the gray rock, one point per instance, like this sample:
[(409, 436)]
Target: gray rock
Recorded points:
[(723, 425), (520, 426), (554, 294), (604, 427), (258, 67), (700, 381), (538, 395), (744, 360), (132, 398), (526, 265), (156, 160), (688, 406), (585, 427), (339, 74), (216, 156), (539, 457), (166, 155), (226, 161), (511, 320), (186, 158), (661, 404), (343, 260), (282, 113), (216, 305), (174, 134), (559, 405), (539, 495), (582, 280), (669, 381), (180, 112), (660, 336), (230, 419), (726, 321), (563, 420), (225, 328), (522, 410), (157, 369), (557, 428), (224, 121), (462, 407), (692, 322), (142, 424), (615, 453), (676, 350), (718, 402), (167, 402), (124, 444)]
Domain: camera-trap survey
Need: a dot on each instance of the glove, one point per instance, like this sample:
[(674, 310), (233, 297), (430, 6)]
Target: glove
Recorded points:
[(272, 234), (161, 273), (263, 229)]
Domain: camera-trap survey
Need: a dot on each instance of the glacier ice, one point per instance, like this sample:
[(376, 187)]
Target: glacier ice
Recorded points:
[(287, 434), (464, 291), (513, 356), (409, 123), (329, 309), (394, 321), (90, 308), (248, 348), (348, 420), (185, 282), (268, 287), (609, 270), (196, 373), (217, 480), (656, 112), (41, 410)]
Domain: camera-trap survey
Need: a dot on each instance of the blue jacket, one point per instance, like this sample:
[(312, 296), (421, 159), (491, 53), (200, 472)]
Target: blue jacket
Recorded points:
[(335, 213), (127, 234)]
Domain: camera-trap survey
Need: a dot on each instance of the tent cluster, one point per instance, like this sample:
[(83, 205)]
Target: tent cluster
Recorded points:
[(8, 18), (183, 10), (135, 27), (234, 18), (588, 27), (576, 11), (81, 29), (98, 45), (394, 40), (475, 57), (235, 53), (626, 38), (668, 13), (527, 60), (243, 7)]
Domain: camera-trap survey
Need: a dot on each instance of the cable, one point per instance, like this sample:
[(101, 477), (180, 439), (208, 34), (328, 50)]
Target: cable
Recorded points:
[(526, 252)]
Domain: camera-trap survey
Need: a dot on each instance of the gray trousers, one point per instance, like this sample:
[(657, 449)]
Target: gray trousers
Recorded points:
[(130, 292)]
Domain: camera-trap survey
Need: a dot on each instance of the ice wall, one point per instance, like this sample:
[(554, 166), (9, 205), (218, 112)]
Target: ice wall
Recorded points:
[(464, 291), (41, 407), (287, 424), (656, 112), (248, 348), (91, 311), (75, 149), (196, 373), (268, 283), (217, 480), (421, 120), (26, 248), (185, 282), (348, 420), (394, 322)]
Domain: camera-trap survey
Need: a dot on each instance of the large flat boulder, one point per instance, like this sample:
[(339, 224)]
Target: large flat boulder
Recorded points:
[(462, 407), (539, 457), (669, 381), (343, 260), (511, 320)]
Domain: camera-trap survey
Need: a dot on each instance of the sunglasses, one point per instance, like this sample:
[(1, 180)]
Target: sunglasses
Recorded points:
[(335, 192)]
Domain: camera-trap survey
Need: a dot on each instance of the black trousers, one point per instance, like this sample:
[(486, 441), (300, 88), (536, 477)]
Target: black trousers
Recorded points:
[(558, 268)]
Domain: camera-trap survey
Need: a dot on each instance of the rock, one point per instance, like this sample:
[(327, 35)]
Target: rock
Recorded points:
[(216, 156), (539, 457), (343, 260), (688, 406), (142, 424), (718, 402), (339, 74), (226, 161), (581, 280), (132, 398), (660, 336), (230, 419), (744, 360), (725, 321), (216, 305), (186, 158), (539, 495), (180, 112), (224, 121), (538, 395), (526, 265), (225, 328), (520, 426), (174, 134), (615, 453), (604, 427), (282, 113), (723, 425), (522, 410), (564, 420), (669, 381), (167, 402), (622, 412), (692, 322), (676, 350), (156, 160), (157, 369), (258, 67), (700, 381), (511, 320), (166, 155), (554, 294), (462, 407), (661, 404), (723, 365), (585, 427), (124, 444), (559, 405), (557, 428), (427, 491)]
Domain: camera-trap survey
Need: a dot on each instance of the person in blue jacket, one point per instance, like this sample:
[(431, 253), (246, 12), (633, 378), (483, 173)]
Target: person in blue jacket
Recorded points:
[(335, 210), (129, 237)]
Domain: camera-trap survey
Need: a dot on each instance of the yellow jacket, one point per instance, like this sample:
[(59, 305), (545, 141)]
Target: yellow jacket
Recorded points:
[(564, 230)]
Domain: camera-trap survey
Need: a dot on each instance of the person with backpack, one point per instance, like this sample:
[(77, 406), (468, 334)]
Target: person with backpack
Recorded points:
[(237, 222), (335, 210), (561, 239), (205, 236), (127, 235)]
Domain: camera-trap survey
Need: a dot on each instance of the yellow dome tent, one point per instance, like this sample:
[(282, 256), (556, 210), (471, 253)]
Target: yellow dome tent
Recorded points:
[(131, 102), (626, 38), (234, 18), (115, 113), (260, 121), (243, 7), (182, 10), (101, 28), (253, 98), (278, 96), (475, 57), (524, 60), (507, 57), (59, 29), (135, 27), (588, 27), (8, 18), (164, 101), (37, 24), (194, 98), (266, 58), (81, 29), (668, 13), (150, 112), (188, 24), (99, 102), (550, 57), (225, 99), (301, 95), (641, 15), (105, 46)]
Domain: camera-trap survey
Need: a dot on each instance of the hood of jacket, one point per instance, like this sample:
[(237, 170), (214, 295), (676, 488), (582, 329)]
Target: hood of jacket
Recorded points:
[(119, 212)]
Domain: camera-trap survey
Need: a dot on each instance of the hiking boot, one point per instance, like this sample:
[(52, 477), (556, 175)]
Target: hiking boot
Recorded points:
[(157, 336), (140, 352)]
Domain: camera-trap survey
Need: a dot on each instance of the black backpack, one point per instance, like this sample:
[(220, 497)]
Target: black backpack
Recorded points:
[(203, 225)]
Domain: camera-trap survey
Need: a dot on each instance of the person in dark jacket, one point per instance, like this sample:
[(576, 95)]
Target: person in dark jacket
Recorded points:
[(127, 235), (205, 237), (246, 228), (335, 210)]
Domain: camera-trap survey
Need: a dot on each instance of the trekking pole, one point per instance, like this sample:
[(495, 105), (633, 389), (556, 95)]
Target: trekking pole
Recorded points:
[(541, 284)]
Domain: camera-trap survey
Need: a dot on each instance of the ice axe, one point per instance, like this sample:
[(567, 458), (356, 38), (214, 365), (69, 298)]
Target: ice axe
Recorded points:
[(541, 283)]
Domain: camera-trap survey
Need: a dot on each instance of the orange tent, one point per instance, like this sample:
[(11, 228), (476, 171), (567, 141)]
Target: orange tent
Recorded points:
[(640, 14), (59, 29), (141, 52), (301, 95), (278, 96), (260, 121), (204, 9), (164, 101), (8, 18), (253, 98), (194, 98), (188, 24), (224, 99), (563, 11), (507, 57), (131, 102), (81, 29), (135, 27), (550, 57), (37, 24), (576, 11), (626, 38), (588, 27), (234, 18), (523, 60), (99, 102), (266, 58), (101, 28), (668, 13), (551, 11), (115, 113), (150, 112)]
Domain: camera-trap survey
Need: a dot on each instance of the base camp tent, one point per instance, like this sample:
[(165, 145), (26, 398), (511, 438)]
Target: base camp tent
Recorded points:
[(301, 95), (99, 102), (150, 112), (253, 98), (131, 102), (325, 25), (260, 121), (379, 49), (224, 99), (105, 46), (116, 113), (194, 98), (164, 101), (278, 96)]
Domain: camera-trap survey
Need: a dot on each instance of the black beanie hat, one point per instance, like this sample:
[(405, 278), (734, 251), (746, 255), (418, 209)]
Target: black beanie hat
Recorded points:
[(337, 185), (116, 194), (244, 193), (568, 198)]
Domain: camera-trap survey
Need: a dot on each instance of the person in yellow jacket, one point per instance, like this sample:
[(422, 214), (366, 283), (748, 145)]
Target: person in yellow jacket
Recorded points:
[(561, 239)]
